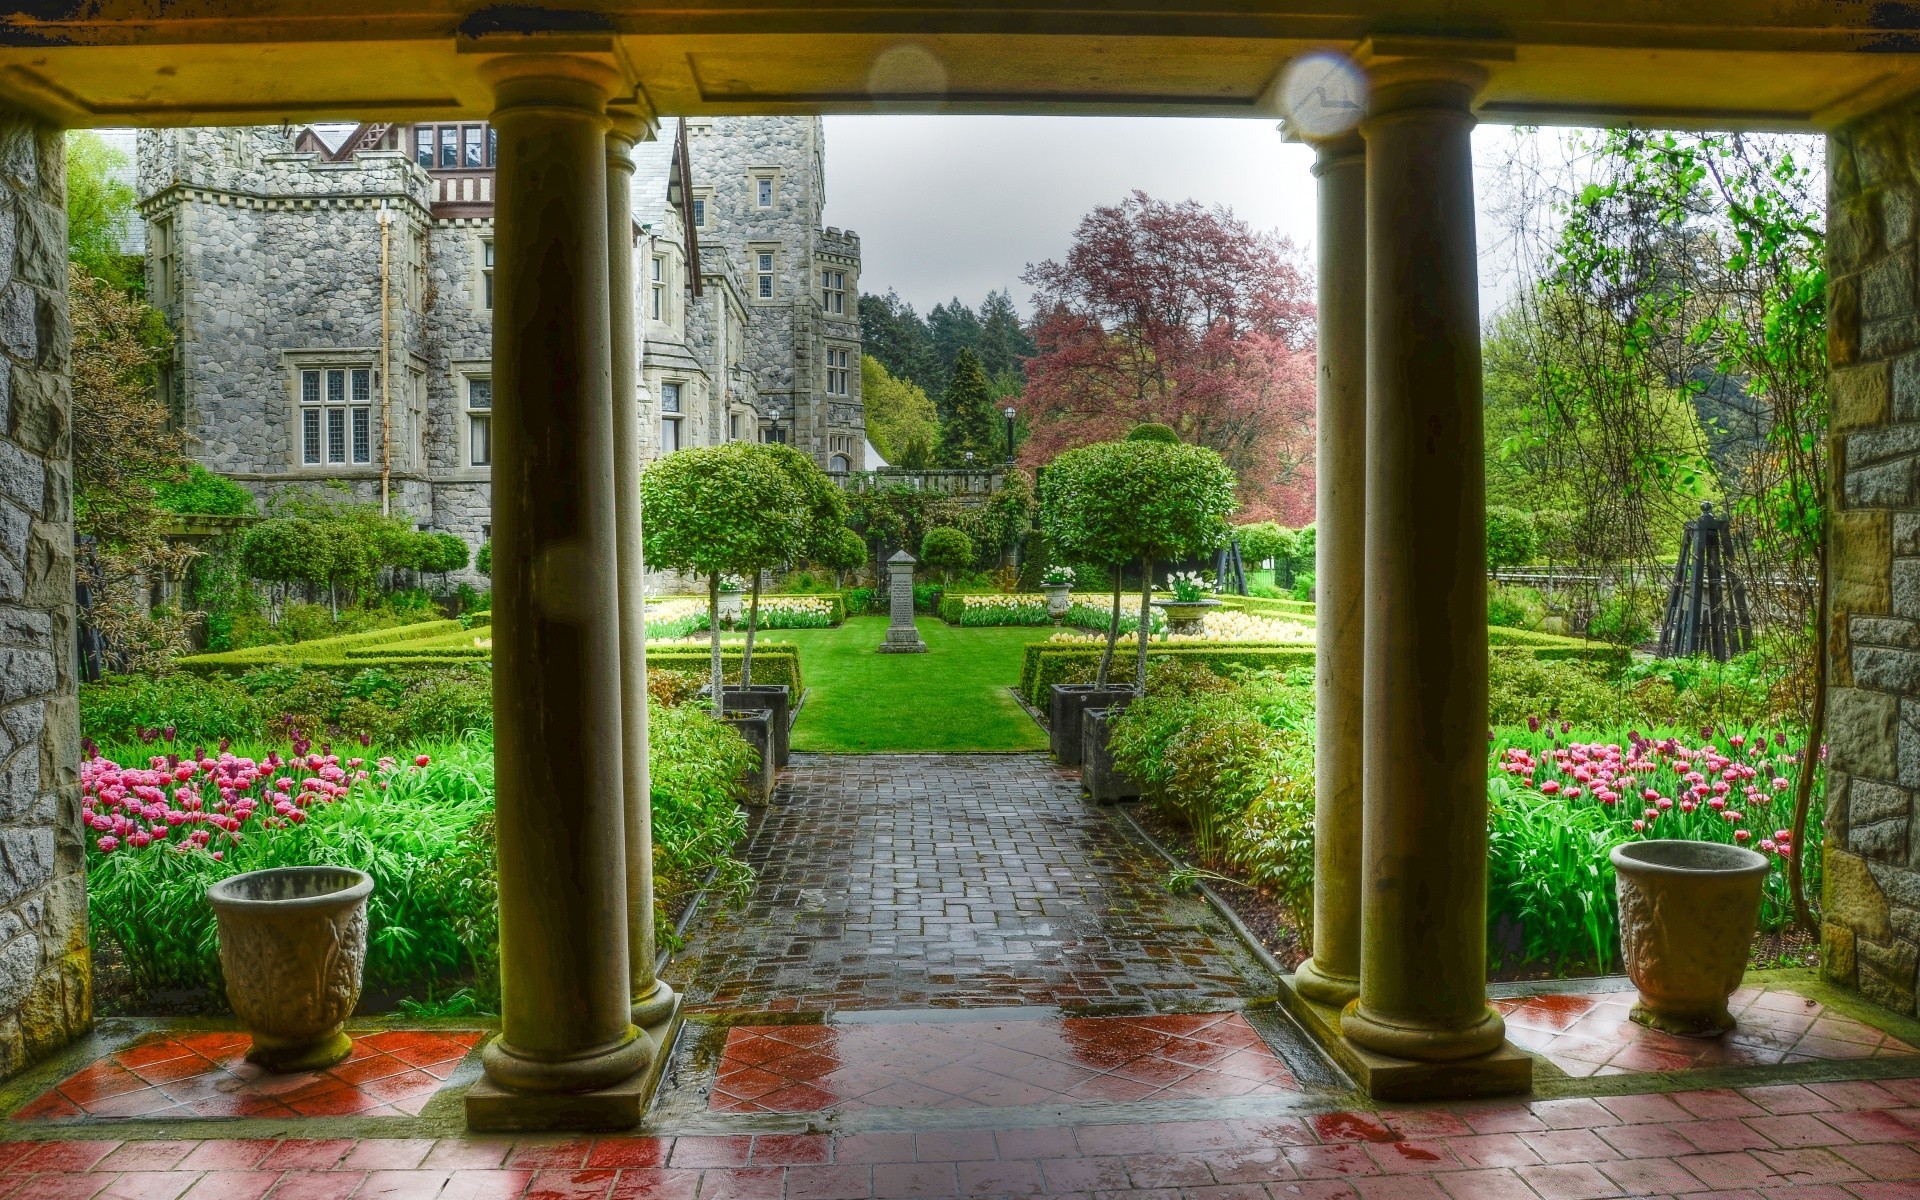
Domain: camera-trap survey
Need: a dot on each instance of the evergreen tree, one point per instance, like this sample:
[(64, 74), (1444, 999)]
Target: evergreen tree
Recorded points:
[(954, 328), (1004, 340), (972, 423), (895, 335)]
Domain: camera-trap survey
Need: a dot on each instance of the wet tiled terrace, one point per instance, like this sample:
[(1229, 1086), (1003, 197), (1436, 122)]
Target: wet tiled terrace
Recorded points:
[(943, 992)]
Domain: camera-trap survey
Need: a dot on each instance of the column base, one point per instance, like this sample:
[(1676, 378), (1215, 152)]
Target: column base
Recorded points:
[(1323, 987), (491, 1108), (1506, 1071), (1424, 1043)]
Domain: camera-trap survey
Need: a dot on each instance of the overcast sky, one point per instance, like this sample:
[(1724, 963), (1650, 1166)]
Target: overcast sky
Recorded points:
[(951, 206)]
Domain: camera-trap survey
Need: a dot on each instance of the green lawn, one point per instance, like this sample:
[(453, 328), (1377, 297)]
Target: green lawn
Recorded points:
[(953, 698)]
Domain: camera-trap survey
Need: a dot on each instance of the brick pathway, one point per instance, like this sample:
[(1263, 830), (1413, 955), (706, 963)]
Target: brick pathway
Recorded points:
[(950, 881)]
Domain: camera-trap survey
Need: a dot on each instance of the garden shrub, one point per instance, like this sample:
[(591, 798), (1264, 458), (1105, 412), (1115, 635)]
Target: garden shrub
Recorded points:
[(1273, 842), (120, 707), (860, 600), (1303, 587), (1153, 431), (1625, 618), (1511, 537), (200, 492), (1513, 607), (946, 549), (1521, 686)]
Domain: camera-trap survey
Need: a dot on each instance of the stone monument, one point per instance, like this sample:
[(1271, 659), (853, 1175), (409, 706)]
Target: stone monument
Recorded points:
[(903, 637)]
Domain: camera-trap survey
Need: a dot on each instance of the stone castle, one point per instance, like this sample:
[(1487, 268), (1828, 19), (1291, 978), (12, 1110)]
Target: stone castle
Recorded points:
[(330, 291)]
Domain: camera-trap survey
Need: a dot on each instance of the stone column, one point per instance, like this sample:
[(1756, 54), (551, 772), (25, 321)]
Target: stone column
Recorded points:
[(1332, 975), (1870, 902), (1424, 895), (903, 636), (653, 1000), (558, 746)]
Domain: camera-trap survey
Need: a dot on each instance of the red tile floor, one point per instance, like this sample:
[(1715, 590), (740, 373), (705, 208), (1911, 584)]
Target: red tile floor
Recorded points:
[(1586, 1035), (994, 1063), (1853, 1141), (205, 1074)]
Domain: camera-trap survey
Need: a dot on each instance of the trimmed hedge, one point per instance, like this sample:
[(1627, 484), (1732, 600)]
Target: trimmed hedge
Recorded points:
[(951, 608), (1263, 606), (773, 662), (446, 644), (1046, 663)]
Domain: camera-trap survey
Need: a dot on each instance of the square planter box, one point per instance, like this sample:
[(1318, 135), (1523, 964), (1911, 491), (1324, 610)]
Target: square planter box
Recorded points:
[(1064, 707), (756, 725), (771, 696), (1103, 783)]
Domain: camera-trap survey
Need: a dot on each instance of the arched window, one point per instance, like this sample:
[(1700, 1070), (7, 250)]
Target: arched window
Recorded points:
[(839, 464)]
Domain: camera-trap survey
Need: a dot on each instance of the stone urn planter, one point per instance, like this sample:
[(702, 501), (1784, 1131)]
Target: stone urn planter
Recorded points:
[(772, 697), (292, 943), (756, 725), (1065, 704), (1102, 782), (732, 607), (1186, 617), (1059, 599), (1687, 915)]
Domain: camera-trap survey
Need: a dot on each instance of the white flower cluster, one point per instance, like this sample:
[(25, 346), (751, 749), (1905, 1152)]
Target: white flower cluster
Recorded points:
[(1221, 626)]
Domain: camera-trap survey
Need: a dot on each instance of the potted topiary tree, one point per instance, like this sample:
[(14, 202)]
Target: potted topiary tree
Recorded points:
[(1149, 502), (818, 518), (1063, 511), (716, 510)]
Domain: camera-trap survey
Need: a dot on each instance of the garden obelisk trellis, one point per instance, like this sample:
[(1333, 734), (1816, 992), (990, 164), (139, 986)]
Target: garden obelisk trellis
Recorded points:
[(1706, 603)]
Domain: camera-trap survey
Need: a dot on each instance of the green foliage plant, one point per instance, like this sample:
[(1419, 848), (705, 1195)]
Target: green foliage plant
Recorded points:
[(1153, 431), (1512, 540), (717, 510), (971, 422), (946, 549), (1118, 502), (199, 491)]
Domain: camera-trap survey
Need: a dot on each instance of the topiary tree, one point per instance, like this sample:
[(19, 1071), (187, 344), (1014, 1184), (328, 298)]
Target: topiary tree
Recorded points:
[(1153, 431), (1143, 501), (285, 550), (946, 548), (1512, 538), (822, 513), (717, 510), (1263, 541), (847, 552), (443, 553), (483, 561)]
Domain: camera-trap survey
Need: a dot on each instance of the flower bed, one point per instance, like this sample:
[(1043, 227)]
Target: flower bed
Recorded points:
[(422, 826), (1562, 798), (994, 610), (1217, 627)]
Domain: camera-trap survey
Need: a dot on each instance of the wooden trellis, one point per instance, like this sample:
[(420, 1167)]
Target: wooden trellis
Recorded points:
[(1707, 609)]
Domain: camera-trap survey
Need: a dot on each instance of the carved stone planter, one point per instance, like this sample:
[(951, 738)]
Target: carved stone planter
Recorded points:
[(292, 943), (1064, 705), (1059, 599), (756, 725), (1687, 915), (1186, 616), (732, 607), (774, 698), (1102, 782)]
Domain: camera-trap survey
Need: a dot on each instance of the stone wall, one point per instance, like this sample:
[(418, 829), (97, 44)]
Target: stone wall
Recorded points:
[(45, 975), (1870, 934)]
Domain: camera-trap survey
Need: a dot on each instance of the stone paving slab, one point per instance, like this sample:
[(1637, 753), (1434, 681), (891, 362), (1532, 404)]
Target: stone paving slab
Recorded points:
[(955, 881), (1851, 1141)]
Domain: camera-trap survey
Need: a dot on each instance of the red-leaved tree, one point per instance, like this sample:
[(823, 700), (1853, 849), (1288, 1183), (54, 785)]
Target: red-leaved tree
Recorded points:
[(1184, 315)]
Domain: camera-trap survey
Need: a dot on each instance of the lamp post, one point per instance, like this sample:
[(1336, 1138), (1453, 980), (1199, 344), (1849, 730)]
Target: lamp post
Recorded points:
[(1009, 413), (773, 429)]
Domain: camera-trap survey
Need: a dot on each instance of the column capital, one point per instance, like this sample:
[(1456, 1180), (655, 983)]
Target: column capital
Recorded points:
[(544, 80), (631, 123), (1332, 153), (1428, 72)]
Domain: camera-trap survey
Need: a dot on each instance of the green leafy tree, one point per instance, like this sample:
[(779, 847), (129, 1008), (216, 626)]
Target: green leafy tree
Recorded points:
[(1263, 541), (970, 421), (717, 510), (955, 330), (846, 552), (1512, 539), (99, 210), (1144, 502), (946, 548), (822, 515), (900, 419)]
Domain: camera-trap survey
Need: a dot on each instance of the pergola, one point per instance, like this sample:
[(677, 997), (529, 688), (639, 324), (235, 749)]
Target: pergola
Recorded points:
[(1401, 886)]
